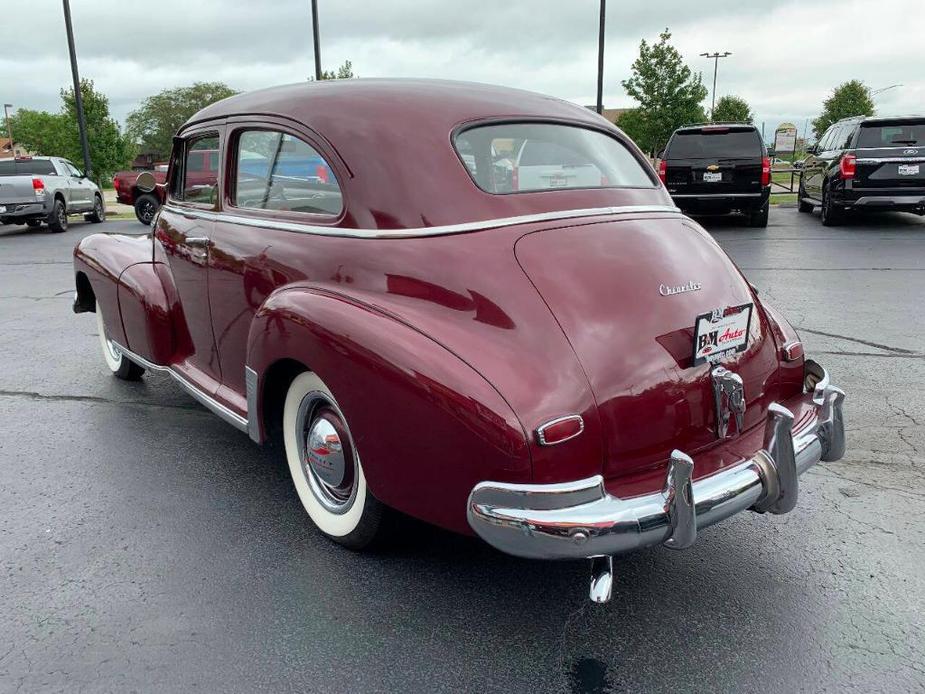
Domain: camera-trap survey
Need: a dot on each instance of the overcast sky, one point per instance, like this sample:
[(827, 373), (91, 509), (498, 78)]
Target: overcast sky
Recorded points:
[(787, 55)]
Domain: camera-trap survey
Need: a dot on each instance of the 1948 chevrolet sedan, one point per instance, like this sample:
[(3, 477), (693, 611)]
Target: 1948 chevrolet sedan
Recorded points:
[(475, 305)]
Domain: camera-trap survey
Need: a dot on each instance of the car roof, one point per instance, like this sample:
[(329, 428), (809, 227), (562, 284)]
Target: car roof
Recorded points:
[(698, 127), (876, 119), (393, 137)]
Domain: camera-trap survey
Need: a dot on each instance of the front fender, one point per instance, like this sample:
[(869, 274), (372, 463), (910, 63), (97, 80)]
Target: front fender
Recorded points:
[(427, 426)]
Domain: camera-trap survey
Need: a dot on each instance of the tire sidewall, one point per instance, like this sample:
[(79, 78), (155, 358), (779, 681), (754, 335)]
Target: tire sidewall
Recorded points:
[(57, 221), (145, 199), (114, 365), (336, 525)]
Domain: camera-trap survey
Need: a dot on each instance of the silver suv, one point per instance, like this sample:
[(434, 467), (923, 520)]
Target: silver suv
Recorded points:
[(36, 190)]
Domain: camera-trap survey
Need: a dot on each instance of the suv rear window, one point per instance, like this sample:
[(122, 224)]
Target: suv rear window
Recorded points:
[(23, 167), (719, 143), (896, 134), (523, 157)]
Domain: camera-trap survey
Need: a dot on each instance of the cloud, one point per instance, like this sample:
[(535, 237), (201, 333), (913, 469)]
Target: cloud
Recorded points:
[(786, 56)]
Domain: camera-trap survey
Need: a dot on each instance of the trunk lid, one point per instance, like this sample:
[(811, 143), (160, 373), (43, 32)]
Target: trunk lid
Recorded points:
[(891, 153), (16, 189), (602, 283)]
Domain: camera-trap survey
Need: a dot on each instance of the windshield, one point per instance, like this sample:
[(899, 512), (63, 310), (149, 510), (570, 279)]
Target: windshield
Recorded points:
[(22, 167), (895, 134), (715, 144), (521, 157)]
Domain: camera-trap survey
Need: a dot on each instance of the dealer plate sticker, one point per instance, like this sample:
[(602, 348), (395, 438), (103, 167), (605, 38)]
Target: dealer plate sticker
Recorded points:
[(721, 331), (908, 169)]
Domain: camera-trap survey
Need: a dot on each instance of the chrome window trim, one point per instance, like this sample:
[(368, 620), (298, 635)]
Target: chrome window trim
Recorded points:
[(887, 160), (716, 195), (444, 230), (234, 419)]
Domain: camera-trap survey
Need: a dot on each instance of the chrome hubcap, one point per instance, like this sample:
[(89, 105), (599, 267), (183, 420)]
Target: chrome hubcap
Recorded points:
[(328, 460)]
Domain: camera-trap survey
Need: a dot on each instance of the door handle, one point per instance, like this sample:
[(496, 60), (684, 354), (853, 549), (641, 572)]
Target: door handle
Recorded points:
[(197, 241)]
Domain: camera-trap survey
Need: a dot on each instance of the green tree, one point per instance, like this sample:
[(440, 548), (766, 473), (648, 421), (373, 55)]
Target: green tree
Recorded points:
[(732, 109), (849, 99), (634, 124), (668, 93), (57, 134), (153, 124), (344, 72)]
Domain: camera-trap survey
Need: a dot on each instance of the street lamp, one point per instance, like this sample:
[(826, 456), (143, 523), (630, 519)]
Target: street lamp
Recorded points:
[(600, 59), (317, 44), (883, 89), (78, 97), (9, 129), (715, 57)]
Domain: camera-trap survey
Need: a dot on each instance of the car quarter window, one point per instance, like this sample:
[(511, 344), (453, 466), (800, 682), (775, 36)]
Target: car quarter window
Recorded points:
[(522, 157), (278, 171), (200, 180), (844, 136)]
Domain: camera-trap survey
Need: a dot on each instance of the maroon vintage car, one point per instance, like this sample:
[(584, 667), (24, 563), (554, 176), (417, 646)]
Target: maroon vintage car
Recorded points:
[(485, 312)]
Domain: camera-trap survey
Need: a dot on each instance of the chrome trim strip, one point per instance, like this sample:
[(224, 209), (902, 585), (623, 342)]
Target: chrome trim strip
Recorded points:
[(715, 195), (420, 231), (581, 519), (888, 160), (252, 385), (234, 419)]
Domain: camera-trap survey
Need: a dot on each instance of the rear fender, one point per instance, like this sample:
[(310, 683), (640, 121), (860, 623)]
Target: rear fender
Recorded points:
[(426, 425)]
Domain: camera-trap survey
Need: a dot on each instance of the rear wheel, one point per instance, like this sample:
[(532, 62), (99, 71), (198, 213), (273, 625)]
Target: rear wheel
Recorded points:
[(99, 211), (146, 207), (325, 465), (802, 206), (120, 365), (57, 218), (759, 217), (832, 214)]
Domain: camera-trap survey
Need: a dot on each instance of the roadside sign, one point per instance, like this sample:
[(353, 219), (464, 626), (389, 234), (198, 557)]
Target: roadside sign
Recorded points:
[(785, 138)]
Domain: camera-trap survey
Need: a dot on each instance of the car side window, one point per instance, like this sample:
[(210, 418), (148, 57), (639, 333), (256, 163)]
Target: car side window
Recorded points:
[(199, 182), (278, 171), (825, 144), (844, 138)]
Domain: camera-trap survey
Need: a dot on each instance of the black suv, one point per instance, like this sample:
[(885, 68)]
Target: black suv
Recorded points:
[(717, 168), (866, 163)]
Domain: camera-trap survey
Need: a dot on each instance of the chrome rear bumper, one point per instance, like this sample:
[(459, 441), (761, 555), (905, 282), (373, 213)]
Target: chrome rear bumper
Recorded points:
[(577, 520)]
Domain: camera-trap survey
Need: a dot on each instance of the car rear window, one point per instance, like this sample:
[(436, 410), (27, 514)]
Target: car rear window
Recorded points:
[(523, 157), (720, 143), (23, 167), (897, 134)]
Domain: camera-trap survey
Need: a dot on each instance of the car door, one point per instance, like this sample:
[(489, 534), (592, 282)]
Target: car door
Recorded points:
[(182, 237), (812, 167), (278, 175), (77, 183)]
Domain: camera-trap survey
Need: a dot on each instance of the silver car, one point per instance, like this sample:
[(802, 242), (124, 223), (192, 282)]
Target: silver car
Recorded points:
[(37, 190)]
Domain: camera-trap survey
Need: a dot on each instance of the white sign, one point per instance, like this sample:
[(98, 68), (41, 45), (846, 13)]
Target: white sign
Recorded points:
[(785, 138)]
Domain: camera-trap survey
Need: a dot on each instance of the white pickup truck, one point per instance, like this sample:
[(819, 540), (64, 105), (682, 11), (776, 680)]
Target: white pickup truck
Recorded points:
[(37, 190)]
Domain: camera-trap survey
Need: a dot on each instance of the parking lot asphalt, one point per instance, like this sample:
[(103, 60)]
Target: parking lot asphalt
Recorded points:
[(146, 545)]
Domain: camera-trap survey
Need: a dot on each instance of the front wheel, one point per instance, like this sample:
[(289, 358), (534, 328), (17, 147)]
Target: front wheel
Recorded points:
[(325, 465), (146, 206), (120, 365), (99, 211)]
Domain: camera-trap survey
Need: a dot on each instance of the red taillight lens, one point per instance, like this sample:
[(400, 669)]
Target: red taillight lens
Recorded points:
[(848, 166), (559, 430), (765, 171), (793, 351), (321, 172), (115, 183), (38, 185), (662, 170)]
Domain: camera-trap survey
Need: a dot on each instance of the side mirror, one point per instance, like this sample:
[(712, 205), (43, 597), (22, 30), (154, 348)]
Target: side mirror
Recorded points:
[(661, 154), (146, 182)]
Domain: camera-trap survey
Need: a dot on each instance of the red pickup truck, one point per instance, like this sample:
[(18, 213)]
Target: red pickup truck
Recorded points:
[(202, 164)]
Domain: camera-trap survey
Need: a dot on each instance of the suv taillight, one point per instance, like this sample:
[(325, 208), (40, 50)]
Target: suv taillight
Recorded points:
[(38, 186), (322, 173), (662, 170), (848, 166), (765, 171)]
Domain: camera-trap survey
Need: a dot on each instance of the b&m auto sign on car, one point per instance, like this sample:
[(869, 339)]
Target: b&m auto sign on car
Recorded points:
[(720, 331)]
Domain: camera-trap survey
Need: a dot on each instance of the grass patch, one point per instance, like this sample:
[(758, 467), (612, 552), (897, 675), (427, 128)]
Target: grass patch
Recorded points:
[(783, 198)]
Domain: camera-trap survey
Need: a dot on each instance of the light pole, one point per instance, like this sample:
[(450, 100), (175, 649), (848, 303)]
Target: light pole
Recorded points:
[(600, 59), (78, 97), (9, 128), (317, 43), (715, 57), (883, 89)]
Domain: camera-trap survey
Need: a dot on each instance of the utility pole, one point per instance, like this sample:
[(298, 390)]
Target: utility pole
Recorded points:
[(78, 97), (316, 40), (715, 57), (600, 59), (9, 129)]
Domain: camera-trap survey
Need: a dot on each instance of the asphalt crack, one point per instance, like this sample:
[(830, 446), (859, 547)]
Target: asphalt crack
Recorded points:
[(34, 395), (888, 348)]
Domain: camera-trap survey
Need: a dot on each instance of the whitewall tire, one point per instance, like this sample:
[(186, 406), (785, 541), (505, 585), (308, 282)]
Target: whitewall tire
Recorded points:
[(325, 465), (120, 365)]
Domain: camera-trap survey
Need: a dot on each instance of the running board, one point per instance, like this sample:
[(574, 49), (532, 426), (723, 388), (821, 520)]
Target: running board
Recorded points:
[(207, 401)]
